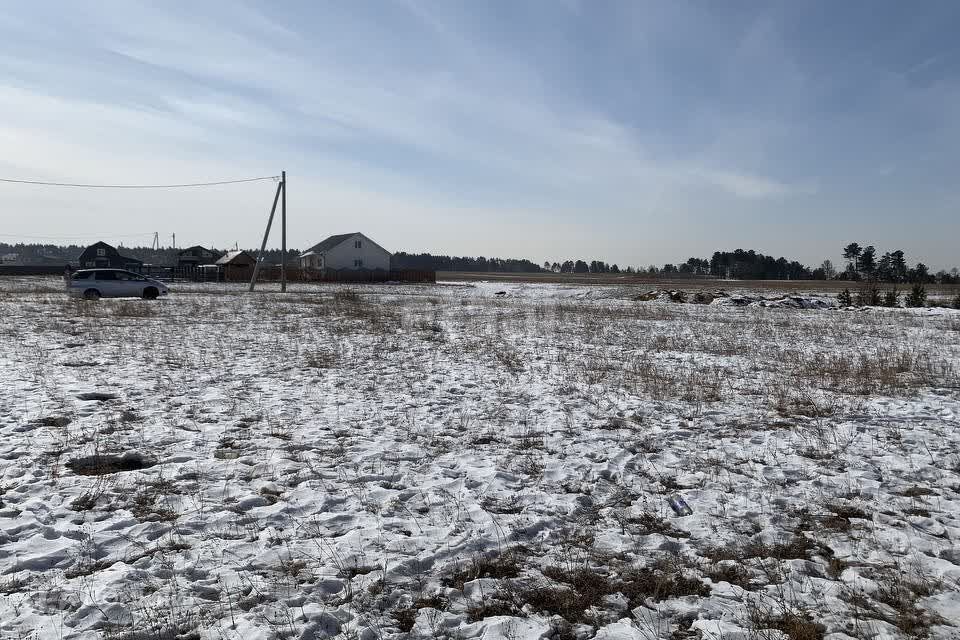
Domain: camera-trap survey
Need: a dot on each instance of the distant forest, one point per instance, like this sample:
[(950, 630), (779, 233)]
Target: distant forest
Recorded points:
[(430, 262), (863, 263)]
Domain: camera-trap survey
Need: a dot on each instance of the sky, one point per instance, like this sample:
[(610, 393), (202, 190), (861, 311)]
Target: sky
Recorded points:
[(627, 131)]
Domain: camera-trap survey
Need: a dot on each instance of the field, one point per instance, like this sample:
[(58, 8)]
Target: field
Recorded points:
[(474, 460)]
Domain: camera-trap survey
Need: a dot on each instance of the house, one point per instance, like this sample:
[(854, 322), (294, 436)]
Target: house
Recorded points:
[(197, 255), (237, 265), (102, 255), (346, 251)]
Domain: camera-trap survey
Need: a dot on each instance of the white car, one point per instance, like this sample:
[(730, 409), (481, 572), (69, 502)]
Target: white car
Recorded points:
[(93, 284)]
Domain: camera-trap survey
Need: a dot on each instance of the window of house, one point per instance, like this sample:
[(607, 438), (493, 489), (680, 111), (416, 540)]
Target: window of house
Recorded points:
[(101, 252), (358, 263), (356, 244)]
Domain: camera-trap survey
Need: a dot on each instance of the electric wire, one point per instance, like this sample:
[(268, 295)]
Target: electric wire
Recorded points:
[(136, 186)]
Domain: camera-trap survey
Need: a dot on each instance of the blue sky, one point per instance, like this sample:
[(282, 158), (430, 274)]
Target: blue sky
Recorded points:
[(634, 132)]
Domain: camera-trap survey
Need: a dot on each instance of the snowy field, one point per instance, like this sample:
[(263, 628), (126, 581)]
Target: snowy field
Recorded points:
[(445, 462)]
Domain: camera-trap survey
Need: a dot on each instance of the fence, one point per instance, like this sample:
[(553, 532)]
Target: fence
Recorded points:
[(231, 273), (271, 273), (31, 270)]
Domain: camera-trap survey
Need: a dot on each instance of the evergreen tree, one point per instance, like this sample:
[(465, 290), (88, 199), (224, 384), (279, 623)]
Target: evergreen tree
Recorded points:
[(868, 261), (891, 298), (898, 266), (852, 253), (919, 273), (917, 296), (844, 298)]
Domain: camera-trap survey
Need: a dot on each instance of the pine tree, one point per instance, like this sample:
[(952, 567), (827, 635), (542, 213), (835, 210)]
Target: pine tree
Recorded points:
[(892, 298), (844, 298), (852, 253), (917, 296)]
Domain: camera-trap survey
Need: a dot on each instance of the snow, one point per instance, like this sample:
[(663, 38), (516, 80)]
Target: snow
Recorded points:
[(327, 462)]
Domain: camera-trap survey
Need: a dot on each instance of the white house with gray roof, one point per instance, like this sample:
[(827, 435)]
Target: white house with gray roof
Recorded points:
[(346, 251)]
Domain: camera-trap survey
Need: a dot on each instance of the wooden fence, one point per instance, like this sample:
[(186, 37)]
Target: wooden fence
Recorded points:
[(31, 270), (271, 273), (229, 273)]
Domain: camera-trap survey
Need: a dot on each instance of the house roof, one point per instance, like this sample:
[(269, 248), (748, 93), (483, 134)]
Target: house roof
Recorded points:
[(111, 251), (333, 241), (330, 242), (195, 247), (230, 256)]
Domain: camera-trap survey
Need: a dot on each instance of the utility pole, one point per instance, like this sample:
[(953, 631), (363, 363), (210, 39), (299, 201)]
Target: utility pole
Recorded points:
[(266, 234), (174, 240), (283, 234)]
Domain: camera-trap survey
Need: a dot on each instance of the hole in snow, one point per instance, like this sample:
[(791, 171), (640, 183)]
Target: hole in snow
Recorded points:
[(103, 464)]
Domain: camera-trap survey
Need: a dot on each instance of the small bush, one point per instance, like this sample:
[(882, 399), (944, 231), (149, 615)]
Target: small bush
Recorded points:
[(892, 298), (956, 302), (844, 298), (868, 296), (917, 296)]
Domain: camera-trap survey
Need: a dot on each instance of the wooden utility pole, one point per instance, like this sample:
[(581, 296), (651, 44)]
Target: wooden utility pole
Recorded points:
[(283, 233), (266, 234)]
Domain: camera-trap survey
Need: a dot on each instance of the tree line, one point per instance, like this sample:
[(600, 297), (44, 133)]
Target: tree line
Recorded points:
[(430, 262), (862, 264)]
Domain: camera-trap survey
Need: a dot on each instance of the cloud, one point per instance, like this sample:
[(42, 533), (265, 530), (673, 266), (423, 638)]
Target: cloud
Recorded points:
[(533, 117), (744, 185)]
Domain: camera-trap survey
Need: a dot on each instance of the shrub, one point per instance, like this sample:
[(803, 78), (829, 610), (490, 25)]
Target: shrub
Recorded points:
[(844, 298), (956, 302), (868, 295), (892, 298), (917, 296)]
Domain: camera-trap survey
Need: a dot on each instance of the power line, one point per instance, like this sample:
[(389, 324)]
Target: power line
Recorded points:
[(112, 235), (136, 186)]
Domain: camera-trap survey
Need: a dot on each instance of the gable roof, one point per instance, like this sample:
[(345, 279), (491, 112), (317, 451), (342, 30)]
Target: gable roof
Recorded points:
[(230, 256), (109, 252), (330, 242), (336, 240), (195, 247)]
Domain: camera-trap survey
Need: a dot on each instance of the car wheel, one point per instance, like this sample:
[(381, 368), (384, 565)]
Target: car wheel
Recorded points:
[(91, 294), (150, 293)]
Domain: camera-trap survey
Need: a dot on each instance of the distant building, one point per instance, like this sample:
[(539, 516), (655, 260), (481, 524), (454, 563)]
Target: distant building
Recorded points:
[(102, 255), (197, 255), (237, 265), (346, 251), (10, 257)]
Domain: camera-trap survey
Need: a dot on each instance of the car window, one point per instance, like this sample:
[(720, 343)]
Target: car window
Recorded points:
[(106, 275), (82, 275)]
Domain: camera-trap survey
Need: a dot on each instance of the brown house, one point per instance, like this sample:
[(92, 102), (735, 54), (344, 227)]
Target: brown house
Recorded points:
[(197, 255), (237, 265), (102, 255)]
